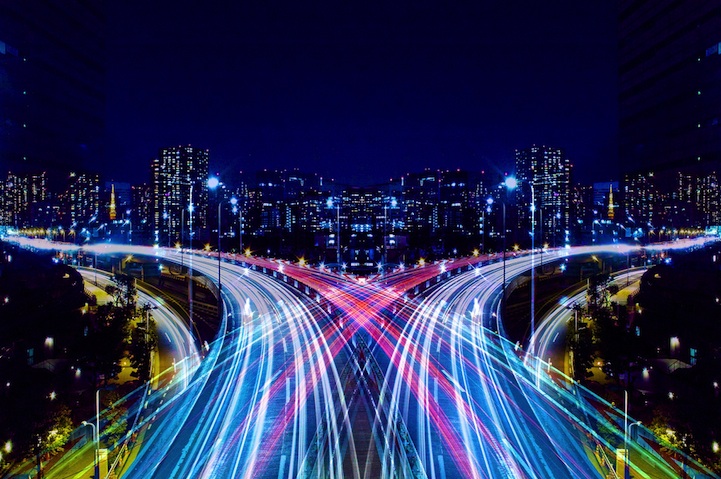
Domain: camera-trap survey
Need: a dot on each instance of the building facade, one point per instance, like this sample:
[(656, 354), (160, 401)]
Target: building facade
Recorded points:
[(180, 194), (544, 180), (669, 66)]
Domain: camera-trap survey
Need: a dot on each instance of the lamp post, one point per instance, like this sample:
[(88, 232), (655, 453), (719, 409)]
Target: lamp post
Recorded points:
[(129, 221), (627, 455), (531, 348), (237, 209), (96, 466), (330, 204), (626, 430), (167, 226), (213, 184), (190, 258), (148, 307), (393, 204), (96, 434), (509, 184), (182, 238), (489, 202)]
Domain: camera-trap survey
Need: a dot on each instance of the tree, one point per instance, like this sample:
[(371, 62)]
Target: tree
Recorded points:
[(583, 354), (108, 341), (50, 432), (115, 416), (142, 344), (123, 292), (597, 294)]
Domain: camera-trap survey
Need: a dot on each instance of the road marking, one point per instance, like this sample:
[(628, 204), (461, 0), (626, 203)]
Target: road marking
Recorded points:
[(453, 380), (438, 346), (441, 466), (435, 389), (285, 346), (282, 466), (555, 337), (287, 389)]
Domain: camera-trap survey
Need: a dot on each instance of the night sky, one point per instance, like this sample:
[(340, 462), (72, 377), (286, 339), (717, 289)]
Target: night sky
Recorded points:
[(361, 91)]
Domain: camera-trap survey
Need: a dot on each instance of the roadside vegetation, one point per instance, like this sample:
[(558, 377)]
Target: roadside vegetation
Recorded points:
[(57, 348)]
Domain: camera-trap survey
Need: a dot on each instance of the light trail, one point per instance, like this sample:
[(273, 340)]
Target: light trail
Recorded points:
[(282, 390)]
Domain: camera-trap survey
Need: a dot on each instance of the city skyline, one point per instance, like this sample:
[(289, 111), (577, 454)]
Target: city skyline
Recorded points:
[(360, 240)]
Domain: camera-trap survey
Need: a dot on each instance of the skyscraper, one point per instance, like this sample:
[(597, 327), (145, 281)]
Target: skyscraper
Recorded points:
[(52, 77), (420, 203), (80, 204), (640, 199), (548, 171), (180, 176), (669, 66)]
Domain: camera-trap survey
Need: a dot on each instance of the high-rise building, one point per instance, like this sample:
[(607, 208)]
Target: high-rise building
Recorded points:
[(640, 198), (24, 201), (548, 171), (420, 203), (52, 100), (40, 211), (180, 176), (669, 89), (14, 199), (709, 200), (584, 201), (142, 201), (455, 212), (80, 203)]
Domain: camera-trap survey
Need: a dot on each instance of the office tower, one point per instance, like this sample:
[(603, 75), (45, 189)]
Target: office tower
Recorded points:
[(545, 172), (420, 203), (269, 198), (140, 214), (13, 200), (81, 201), (52, 99), (180, 175), (584, 199), (24, 201), (669, 92), (640, 199), (709, 200), (455, 214)]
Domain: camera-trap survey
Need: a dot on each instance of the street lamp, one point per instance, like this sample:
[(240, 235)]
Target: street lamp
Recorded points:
[(213, 183), (96, 455), (533, 269), (167, 226), (509, 184), (95, 267), (129, 222), (489, 202), (329, 203), (627, 456), (393, 204), (190, 257), (237, 209), (148, 307)]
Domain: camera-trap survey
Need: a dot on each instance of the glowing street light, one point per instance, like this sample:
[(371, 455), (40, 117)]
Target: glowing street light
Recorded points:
[(627, 455), (510, 184), (489, 202), (213, 184), (330, 203), (237, 209), (96, 456)]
